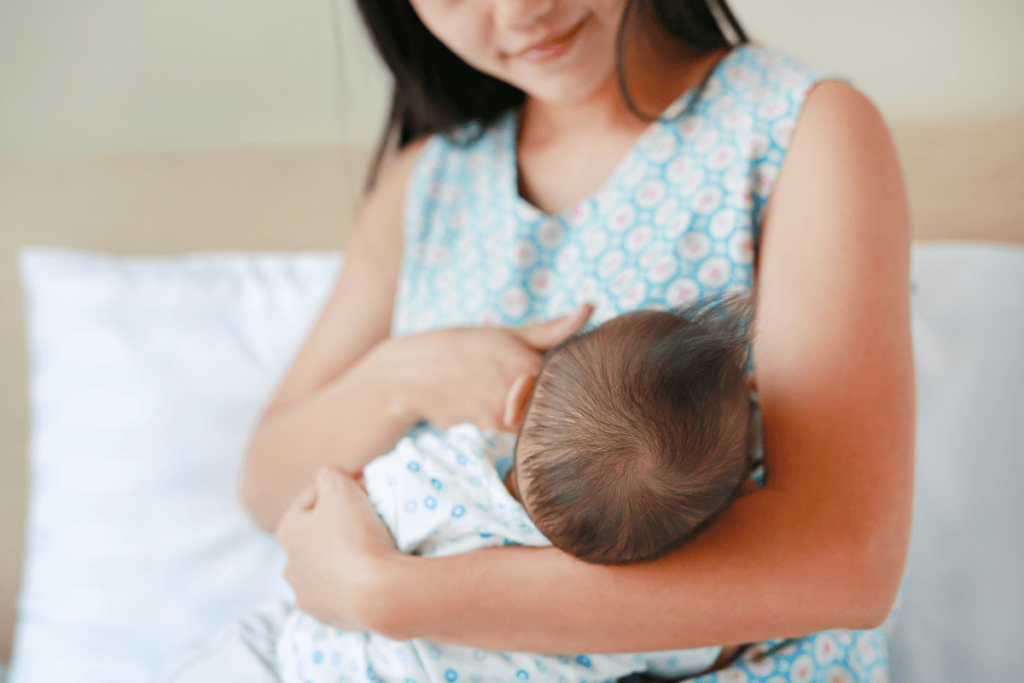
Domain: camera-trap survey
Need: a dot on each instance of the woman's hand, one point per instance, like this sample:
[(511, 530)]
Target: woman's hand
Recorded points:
[(336, 545), (452, 376)]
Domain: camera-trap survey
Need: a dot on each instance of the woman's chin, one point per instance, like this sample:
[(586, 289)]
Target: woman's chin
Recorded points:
[(566, 86)]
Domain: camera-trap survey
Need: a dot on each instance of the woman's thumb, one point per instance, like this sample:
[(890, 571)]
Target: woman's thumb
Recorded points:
[(542, 336)]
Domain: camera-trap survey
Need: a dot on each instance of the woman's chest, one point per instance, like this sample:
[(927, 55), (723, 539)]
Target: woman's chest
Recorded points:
[(554, 175), (665, 233)]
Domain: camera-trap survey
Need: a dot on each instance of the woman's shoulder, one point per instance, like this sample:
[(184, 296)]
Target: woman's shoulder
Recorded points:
[(841, 124), (470, 142), (760, 86), (396, 169), (752, 66), (471, 154)]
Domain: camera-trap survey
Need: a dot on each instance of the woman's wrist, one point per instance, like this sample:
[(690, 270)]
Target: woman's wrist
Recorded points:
[(390, 369), (386, 606)]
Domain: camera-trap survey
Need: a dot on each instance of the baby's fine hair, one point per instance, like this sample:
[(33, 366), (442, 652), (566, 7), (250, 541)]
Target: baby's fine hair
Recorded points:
[(639, 431)]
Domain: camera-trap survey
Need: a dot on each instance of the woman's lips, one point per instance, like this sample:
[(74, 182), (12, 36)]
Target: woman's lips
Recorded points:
[(555, 46)]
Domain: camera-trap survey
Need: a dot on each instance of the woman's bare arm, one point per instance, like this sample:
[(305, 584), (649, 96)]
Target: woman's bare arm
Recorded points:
[(824, 544), (334, 406)]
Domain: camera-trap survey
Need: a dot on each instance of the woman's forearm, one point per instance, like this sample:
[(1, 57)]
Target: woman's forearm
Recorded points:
[(752, 576), (347, 423)]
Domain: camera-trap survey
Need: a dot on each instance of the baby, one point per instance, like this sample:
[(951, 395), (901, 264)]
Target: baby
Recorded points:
[(632, 437), (637, 433)]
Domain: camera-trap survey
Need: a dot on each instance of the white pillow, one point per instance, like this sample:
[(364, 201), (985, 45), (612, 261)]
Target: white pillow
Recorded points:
[(146, 378), (964, 610)]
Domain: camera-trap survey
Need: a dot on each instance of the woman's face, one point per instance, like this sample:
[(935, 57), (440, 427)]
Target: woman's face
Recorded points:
[(554, 50)]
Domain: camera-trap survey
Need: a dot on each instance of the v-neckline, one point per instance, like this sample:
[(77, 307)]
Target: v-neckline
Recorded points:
[(677, 108)]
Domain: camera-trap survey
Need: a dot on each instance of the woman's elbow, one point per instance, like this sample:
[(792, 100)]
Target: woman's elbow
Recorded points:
[(256, 501), (871, 588), (873, 604), (256, 492)]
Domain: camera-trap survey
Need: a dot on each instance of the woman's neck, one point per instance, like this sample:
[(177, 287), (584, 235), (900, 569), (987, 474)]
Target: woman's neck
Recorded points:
[(566, 150), (654, 81)]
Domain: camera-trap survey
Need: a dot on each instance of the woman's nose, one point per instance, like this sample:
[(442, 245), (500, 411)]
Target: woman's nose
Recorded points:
[(522, 13)]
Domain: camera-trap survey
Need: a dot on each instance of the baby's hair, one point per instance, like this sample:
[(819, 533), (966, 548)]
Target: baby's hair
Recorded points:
[(639, 431)]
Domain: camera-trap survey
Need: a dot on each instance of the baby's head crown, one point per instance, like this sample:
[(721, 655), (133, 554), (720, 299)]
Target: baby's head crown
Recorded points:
[(639, 432)]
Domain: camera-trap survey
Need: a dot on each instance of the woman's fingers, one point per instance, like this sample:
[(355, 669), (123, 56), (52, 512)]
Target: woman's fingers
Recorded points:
[(334, 490), (295, 515), (460, 375), (343, 498), (332, 548), (543, 336), (306, 500), (327, 480), (306, 507)]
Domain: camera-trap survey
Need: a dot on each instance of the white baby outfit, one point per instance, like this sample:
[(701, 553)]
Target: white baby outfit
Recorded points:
[(440, 493)]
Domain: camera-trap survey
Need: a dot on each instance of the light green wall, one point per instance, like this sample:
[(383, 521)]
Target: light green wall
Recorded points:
[(918, 59), (140, 75)]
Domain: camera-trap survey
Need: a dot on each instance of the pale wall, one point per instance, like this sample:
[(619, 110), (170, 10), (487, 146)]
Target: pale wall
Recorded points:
[(131, 75), (918, 59), (143, 75)]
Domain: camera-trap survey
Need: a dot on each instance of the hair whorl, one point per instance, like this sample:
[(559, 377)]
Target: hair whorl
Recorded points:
[(638, 433)]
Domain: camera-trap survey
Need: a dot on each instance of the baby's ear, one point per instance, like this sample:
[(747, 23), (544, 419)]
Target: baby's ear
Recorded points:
[(517, 399)]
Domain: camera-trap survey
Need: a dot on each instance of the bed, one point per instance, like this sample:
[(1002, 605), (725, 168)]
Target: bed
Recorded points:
[(966, 184)]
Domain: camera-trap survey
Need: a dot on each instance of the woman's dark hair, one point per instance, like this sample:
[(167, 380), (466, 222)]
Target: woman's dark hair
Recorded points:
[(435, 90)]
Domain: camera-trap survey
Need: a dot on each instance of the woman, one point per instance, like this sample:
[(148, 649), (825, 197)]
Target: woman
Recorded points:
[(567, 93)]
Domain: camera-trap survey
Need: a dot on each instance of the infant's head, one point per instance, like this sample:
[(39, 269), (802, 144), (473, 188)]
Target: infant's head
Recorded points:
[(637, 432)]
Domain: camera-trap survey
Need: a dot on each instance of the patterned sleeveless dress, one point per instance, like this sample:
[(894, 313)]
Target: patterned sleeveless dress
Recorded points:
[(677, 221)]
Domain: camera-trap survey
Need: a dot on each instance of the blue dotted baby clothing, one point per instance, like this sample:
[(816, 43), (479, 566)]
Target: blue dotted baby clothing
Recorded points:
[(439, 494)]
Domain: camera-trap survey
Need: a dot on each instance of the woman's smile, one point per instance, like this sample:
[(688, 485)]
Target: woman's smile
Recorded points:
[(555, 44), (554, 50)]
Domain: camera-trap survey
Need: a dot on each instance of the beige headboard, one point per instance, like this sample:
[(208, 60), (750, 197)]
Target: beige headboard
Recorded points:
[(966, 181)]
